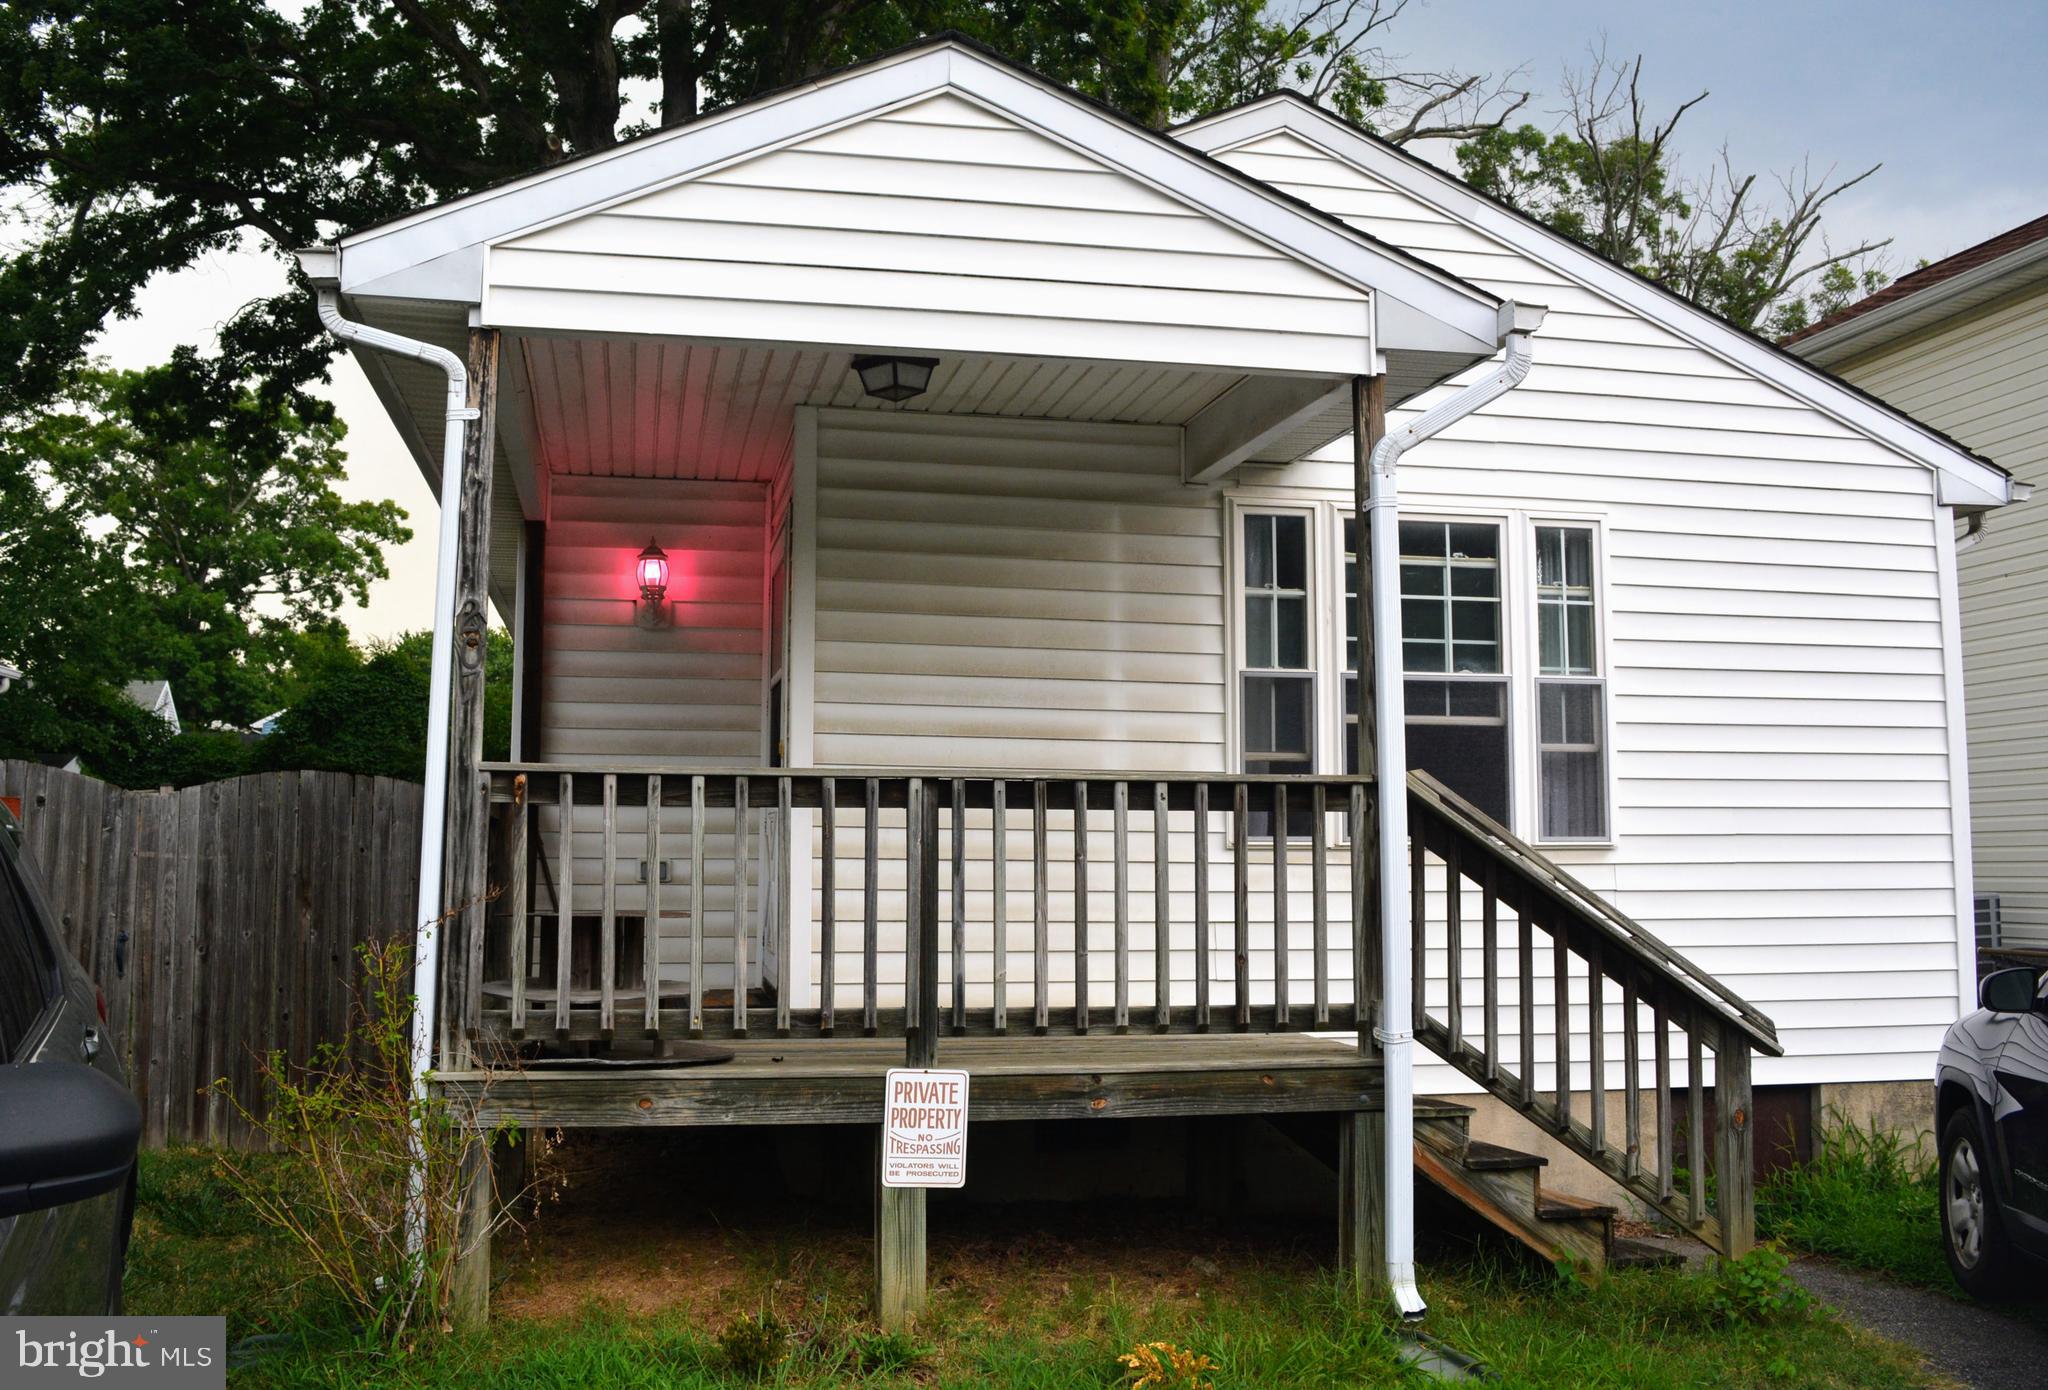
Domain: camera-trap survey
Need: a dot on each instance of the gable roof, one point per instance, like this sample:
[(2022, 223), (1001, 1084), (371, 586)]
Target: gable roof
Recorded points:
[(1950, 286), (1967, 479), (438, 252)]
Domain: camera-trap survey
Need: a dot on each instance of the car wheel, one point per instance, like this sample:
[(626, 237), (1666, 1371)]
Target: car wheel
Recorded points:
[(1972, 1228)]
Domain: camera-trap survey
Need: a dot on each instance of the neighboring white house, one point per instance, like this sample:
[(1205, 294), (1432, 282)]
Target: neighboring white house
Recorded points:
[(155, 696), (1678, 609), (1963, 345)]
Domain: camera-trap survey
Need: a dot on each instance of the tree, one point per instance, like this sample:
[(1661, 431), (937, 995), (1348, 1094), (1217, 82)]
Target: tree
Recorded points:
[(1609, 179), (139, 135), (173, 524), (369, 715)]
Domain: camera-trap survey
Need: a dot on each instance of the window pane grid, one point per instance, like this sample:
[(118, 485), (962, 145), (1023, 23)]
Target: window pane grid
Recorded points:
[(1571, 699)]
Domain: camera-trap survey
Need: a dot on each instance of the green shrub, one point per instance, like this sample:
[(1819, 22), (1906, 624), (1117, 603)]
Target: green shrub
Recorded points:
[(1869, 1197)]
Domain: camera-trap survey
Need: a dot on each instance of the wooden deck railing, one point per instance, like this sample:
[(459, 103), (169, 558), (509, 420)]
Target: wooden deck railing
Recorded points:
[(999, 903), (1554, 981)]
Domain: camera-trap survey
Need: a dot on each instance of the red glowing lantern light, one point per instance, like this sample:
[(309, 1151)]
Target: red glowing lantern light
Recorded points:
[(652, 571)]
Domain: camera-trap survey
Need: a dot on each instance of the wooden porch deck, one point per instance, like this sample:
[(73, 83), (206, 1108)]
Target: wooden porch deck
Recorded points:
[(839, 1081)]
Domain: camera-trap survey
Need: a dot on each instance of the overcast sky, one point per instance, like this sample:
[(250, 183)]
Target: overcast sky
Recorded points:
[(1947, 97)]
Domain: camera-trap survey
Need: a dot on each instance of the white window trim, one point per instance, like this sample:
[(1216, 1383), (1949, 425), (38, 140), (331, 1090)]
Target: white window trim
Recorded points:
[(1518, 635)]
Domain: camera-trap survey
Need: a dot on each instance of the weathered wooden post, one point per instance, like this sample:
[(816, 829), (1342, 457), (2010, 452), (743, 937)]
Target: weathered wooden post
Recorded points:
[(1734, 1142), (1361, 1136), (459, 938), (900, 1211)]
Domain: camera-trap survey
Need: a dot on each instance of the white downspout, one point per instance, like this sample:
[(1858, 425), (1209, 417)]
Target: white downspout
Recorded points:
[(1396, 1031), (321, 264)]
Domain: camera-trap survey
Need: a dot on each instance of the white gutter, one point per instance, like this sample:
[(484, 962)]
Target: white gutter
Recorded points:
[(322, 266), (1396, 1030)]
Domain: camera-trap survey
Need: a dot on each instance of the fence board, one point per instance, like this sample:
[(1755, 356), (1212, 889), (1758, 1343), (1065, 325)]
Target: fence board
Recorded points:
[(220, 922)]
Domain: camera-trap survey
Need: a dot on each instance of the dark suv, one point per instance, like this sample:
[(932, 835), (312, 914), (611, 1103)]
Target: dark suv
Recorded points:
[(1991, 1106), (68, 1127)]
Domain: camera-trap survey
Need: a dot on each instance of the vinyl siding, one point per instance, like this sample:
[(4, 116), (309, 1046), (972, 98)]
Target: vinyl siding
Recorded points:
[(1775, 645), (1032, 596), (1983, 378), (939, 226), (614, 694)]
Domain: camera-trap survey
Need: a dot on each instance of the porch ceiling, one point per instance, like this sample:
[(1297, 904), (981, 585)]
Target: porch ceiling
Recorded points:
[(666, 408)]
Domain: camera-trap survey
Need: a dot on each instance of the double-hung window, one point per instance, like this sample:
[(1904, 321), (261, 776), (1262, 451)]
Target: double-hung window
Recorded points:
[(1452, 655), (1277, 696), (1571, 694)]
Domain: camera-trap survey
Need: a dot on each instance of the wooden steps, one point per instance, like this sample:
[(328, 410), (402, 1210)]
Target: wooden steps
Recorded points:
[(1505, 1186)]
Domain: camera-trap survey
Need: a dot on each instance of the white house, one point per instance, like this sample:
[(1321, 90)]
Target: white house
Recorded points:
[(155, 696), (888, 476), (1963, 344)]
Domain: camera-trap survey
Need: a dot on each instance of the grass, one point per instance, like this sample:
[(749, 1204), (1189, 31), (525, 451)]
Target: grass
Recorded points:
[(604, 1296), (1869, 1198)]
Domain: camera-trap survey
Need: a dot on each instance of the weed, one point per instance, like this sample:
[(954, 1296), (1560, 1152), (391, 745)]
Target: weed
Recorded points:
[(753, 1344), (1758, 1287), (1869, 1197), (885, 1353), (1164, 1366)]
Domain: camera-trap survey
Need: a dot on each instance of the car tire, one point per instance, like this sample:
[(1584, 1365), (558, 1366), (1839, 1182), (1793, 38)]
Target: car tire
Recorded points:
[(1972, 1225)]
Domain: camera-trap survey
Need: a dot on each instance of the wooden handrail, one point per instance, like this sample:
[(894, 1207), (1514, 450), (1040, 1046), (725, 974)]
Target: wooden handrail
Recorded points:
[(1454, 846)]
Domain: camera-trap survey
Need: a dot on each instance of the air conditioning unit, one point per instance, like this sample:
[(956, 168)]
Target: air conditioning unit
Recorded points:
[(1990, 927)]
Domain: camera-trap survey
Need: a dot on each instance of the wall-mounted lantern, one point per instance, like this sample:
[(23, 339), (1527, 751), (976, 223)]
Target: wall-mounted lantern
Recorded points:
[(650, 570), (895, 378)]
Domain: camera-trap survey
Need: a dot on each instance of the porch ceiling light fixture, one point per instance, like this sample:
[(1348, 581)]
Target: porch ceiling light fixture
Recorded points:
[(895, 378), (650, 571)]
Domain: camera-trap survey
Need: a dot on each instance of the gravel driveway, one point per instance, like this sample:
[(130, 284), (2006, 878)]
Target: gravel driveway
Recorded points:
[(1985, 1347)]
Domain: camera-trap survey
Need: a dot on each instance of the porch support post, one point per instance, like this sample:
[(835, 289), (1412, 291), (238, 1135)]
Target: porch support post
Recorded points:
[(469, 1280), (1361, 1135), (900, 1211), (464, 846)]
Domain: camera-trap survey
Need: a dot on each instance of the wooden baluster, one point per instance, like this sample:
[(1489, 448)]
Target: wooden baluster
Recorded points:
[(1596, 1050), (828, 903), (870, 1022), (1080, 907), (517, 878), (565, 903), (1734, 1143), (741, 859), (1281, 916), (914, 849), (1162, 908), (1561, 996), (1695, 1122), (1319, 892), (1632, 1088), (608, 938), (1241, 898), (1489, 979), (1120, 832), (959, 906), (1525, 999), (696, 907), (783, 965), (1661, 1049), (650, 929), (999, 817), (1041, 942), (1204, 959), (1454, 943), (1365, 930)]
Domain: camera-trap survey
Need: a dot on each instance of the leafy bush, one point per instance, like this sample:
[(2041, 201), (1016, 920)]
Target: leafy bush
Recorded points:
[(1870, 1197), (753, 1345), (1758, 1287)]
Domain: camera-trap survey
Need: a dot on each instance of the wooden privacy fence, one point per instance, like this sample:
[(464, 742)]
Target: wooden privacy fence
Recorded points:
[(220, 921)]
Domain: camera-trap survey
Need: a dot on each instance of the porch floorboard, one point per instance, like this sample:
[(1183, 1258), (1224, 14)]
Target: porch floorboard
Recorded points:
[(839, 1081)]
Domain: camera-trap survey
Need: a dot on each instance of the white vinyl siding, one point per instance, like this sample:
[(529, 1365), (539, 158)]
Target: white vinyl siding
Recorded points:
[(1774, 646), (940, 226), (1031, 596), (688, 695), (1984, 379)]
